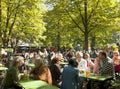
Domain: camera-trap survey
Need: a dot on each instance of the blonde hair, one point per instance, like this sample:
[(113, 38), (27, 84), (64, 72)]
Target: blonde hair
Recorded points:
[(115, 52), (79, 54)]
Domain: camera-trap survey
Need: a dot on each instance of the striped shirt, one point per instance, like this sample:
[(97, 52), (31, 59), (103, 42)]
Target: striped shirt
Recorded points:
[(106, 67)]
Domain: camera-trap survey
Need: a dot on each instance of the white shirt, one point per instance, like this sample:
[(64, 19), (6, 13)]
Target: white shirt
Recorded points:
[(82, 64)]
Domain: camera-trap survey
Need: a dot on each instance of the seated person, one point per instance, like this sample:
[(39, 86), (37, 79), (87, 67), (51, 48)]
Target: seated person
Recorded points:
[(11, 78), (55, 71), (105, 68), (22, 65), (41, 72), (70, 76), (90, 64), (116, 61)]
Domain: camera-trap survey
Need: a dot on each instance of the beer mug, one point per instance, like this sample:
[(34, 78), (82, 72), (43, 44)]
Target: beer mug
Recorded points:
[(87, 71)]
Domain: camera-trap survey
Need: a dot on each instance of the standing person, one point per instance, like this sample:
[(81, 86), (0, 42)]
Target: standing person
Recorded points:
[(55, 71), (94, 54), (70, 76), (44, 55), (41, 72)]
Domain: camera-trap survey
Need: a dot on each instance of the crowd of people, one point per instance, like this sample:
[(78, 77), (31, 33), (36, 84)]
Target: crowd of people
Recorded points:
[(48, 68)]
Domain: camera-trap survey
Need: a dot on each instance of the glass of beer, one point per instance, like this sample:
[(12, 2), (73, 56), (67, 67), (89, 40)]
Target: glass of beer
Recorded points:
[(87, 73)]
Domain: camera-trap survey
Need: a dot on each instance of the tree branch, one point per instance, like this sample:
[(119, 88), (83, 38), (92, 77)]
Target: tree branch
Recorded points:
[(91, 14), (92, 11), (8, 17), (80, 13), (74, 21), (10, 30)]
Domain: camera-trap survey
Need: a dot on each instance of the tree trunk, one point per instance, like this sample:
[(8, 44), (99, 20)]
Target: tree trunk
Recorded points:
[(0, 24), (58, 41), (86, 41), (0, 17), (93, 42), (5, 42), (86, 25)]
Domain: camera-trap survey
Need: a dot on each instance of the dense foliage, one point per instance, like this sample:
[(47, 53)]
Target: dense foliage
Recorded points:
[(21, 20), (65, 23), (85, 22)]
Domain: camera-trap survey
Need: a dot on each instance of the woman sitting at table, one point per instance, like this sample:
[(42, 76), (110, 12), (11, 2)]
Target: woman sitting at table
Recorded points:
[(90, 64), (41, 72), (55, 71), (11, 78), (116, 61)]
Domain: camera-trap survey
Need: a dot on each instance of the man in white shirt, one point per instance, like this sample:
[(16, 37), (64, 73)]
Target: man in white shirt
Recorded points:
[(82, 66), (82, 63)]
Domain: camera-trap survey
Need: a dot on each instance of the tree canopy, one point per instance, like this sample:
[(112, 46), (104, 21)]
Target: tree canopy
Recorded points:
[(86, 19), (21, 20), (59, 23)]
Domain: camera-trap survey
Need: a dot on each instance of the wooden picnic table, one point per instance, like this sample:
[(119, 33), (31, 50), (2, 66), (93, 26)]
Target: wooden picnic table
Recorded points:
[(96, 78), (36, 84)]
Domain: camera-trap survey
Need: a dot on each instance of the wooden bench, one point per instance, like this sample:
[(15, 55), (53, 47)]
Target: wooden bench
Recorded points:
[(115, 85)]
